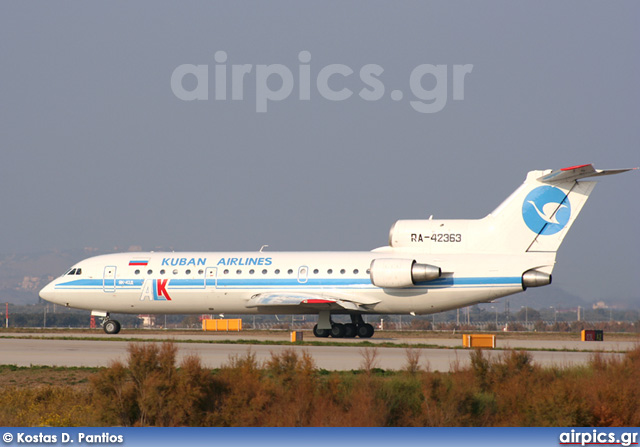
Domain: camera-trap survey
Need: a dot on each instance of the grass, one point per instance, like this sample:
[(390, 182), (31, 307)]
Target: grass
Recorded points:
[(30, 376)]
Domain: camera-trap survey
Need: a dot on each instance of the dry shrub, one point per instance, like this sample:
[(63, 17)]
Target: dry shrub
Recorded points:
[(197, 393), (115, 395), (245, 397), (289, 390), (363, 406), (151, 390), (154, 376), (369, 359), (506, 390), (613, 390), (413, 360), (293, 380)]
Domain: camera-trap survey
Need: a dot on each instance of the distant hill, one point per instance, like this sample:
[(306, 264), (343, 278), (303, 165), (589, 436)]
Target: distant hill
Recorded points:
[(541, 297), (561, 299), (23, 275)]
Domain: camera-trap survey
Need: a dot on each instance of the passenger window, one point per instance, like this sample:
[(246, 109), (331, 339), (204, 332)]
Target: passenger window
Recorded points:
[(188, 272), (330, 271), (200, 272), (289, 271), (252, 271), (239, 272), (342, 271), (277, 272), (315, 271), (137, 272), (149, 272), (264, 272), (175, 271), (355, 271), (162, 272), (226, 271)]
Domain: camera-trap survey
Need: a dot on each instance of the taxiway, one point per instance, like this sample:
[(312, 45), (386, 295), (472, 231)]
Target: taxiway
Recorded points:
[(56, 349)]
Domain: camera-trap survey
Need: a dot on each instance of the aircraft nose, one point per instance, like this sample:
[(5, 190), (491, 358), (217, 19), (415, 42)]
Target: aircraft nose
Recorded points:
[(48, 292)]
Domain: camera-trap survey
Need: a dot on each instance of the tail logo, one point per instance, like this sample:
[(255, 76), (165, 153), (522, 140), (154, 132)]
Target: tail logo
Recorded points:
[(546, 210)]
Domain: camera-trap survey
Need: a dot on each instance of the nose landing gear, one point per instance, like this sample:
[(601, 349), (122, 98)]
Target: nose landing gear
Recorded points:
[(110, 326)]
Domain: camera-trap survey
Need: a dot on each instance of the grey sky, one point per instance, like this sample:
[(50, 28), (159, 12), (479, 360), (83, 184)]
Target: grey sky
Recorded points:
[(98, 151)]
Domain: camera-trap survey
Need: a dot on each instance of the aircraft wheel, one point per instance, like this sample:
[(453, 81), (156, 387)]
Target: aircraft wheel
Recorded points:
[(337, 330), (111, 327), (370, 330), (350, 330), (365, 331), (323, 333)]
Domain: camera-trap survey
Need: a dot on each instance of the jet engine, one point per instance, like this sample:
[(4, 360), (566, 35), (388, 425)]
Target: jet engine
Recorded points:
[(535, 278), (394, 273)]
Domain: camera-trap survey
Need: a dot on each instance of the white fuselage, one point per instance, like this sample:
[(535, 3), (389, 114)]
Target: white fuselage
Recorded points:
[(205, 282)]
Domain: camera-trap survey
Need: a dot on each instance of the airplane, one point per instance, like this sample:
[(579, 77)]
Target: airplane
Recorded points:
[(429, 266)]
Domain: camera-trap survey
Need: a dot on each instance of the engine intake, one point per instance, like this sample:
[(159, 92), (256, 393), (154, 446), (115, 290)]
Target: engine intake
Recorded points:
[(396, 273)]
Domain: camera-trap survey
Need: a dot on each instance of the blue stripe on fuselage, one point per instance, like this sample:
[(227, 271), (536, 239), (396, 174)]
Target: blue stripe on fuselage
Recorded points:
[(243, 283)]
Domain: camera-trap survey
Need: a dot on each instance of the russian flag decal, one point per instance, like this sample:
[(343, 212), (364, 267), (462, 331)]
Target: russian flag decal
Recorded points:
[(139, 262)]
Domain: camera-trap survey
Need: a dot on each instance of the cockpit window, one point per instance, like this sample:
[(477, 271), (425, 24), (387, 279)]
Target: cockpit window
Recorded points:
[(78, 271), (72, 272)]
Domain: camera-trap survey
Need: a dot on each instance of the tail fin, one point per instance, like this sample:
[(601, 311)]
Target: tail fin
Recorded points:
[(535, 218), (539, 214)]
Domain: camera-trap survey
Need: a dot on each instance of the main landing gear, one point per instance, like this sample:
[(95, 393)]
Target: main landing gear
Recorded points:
[(110, 326), (357, 327)]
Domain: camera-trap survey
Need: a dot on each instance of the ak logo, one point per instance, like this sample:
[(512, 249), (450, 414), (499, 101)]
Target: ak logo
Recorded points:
[(155, 290), (546, 210)]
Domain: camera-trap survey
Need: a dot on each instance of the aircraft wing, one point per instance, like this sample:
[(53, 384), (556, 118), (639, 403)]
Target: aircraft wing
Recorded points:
[(310, 301)]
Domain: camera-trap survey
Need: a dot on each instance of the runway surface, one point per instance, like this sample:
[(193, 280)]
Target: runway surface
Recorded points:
[(56, 351)]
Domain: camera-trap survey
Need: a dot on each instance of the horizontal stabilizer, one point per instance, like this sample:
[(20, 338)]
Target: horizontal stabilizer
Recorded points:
[(577, 172)]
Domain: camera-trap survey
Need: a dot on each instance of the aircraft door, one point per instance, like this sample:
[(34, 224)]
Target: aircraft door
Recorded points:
[(109, 279), (303, 273), (211, 277)]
